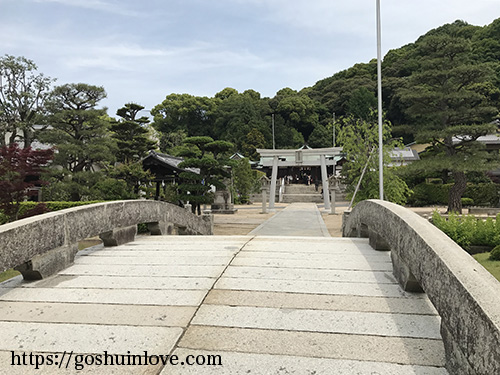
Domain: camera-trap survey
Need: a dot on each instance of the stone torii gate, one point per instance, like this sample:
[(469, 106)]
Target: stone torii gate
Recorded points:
[(318, 157)]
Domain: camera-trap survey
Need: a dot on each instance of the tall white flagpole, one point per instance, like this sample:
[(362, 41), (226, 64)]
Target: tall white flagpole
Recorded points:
[(380, 124)]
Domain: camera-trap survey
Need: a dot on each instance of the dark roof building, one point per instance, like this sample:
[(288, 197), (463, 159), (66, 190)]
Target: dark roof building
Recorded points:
[(165, 169)]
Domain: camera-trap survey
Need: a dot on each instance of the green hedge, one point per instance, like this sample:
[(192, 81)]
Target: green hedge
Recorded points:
[(483, 194), (467, 230)]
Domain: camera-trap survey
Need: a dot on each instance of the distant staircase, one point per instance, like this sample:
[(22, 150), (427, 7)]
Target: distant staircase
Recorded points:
[(302, 193)]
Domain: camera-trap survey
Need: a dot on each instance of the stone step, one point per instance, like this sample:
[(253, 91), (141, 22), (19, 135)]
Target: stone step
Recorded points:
[(292, 198), (301, 189)]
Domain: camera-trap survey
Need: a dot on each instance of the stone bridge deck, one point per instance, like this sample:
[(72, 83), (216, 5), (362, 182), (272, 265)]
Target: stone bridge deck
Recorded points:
[(266, 305)]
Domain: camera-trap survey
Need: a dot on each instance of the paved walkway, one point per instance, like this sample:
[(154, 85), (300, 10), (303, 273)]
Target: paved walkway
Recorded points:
[(297, 219), (266, 305)]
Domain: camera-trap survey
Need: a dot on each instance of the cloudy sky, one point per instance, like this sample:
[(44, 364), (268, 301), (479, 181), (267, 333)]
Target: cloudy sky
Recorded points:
[(143, 50)]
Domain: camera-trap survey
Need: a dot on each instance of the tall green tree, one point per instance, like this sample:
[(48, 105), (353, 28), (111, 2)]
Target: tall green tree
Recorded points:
[(131, 134), (79, 130), (238, 115), (205, 161), (449, 99), (359, 139), (320, 137), (189, 113), (298, 111), (246, 180), (23, 92)]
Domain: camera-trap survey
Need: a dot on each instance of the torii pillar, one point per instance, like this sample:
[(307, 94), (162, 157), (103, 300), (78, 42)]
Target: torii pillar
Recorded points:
[(324, 178), (274, 177)]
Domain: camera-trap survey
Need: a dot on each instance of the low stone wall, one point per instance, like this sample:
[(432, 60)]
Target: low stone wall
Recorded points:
[(466, 296), (42, 245), (490, 211)]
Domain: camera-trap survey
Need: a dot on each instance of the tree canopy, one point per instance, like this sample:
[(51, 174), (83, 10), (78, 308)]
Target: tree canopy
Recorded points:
[(443, 90)]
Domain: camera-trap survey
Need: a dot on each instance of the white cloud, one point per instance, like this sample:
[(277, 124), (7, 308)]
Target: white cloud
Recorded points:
[(99, 5)]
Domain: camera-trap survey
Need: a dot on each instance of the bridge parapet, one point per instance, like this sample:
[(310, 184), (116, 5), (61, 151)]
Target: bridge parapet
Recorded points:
[(466, 296), (42, 245)]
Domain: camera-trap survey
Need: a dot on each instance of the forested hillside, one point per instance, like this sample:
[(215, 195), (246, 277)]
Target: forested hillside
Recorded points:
[(307, 115)]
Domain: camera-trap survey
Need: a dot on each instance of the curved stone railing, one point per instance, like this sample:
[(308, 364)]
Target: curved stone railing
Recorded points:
[(42, 245), (466, 296)]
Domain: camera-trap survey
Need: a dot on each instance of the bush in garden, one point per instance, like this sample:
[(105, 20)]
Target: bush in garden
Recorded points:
[(467, 230), (495, 253)]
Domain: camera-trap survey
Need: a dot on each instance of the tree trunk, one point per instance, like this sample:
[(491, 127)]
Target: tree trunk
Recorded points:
[(456, 192), (13, 136), (28, 139)]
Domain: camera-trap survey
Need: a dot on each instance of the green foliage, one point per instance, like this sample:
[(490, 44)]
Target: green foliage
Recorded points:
[(205, 165), (79, 131), (241, 114), (459, 230), (246, 180), (22, 98), (133, 175), (361, 103), (252, 141), (320, 137), (185, 112), (359, 140), (425, 194), (469, 230), (110, 189), (491, 266), (482, 194), (467, 202), (131, 134), (87, 186), (495, 253), (449, 96)]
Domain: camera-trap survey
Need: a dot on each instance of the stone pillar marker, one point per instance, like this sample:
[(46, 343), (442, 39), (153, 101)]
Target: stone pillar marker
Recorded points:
[(324, 178), (264, 181), (274, 177), (333, 182)]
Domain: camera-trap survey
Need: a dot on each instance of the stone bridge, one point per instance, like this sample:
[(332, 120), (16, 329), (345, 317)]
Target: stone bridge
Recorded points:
[(394, 296)]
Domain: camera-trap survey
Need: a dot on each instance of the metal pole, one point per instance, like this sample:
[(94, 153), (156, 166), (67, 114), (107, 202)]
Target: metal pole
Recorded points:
[(274, 145), (333, 131), (360, 179), (379, 84)]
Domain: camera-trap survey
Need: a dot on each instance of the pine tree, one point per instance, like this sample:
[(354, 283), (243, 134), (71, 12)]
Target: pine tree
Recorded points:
[(206, 166), (131, 134), (449, 98)]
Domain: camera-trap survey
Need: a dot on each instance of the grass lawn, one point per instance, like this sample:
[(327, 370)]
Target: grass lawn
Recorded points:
[(8, 275), (490, 265)]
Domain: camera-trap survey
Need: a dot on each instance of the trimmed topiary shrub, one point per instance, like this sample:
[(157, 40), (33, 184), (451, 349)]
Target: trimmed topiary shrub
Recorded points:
[(495, 253), (467, 202)]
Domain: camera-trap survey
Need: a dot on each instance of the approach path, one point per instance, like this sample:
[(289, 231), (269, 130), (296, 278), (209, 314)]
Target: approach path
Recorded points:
[(309, 304)]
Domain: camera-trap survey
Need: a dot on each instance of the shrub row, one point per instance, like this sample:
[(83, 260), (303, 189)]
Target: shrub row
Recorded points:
[(482, 194), (467, 230)]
